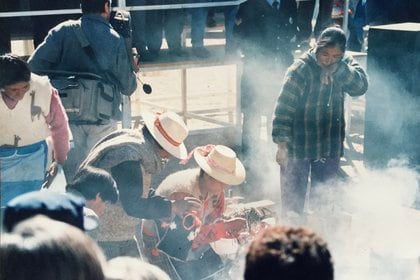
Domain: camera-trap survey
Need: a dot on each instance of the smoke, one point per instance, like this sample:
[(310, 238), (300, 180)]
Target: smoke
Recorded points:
[(260, 87), (371, 230), (392, 115), (369, 223)]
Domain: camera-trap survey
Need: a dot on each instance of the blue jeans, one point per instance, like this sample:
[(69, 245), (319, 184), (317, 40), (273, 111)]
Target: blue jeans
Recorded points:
[(198, 26), (230, 14), (294, 180)]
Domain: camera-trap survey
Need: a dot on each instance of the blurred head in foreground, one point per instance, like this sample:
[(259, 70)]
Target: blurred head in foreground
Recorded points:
[(282, 252), (40, 248)]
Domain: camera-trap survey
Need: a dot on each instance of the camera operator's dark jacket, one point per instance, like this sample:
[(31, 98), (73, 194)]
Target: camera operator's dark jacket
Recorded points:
[(61, 51)]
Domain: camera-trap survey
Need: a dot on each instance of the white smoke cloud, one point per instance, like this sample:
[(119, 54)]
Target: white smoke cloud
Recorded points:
[(372, 231)]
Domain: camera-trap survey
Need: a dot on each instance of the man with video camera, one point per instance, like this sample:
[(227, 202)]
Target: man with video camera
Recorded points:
[(88, 46)]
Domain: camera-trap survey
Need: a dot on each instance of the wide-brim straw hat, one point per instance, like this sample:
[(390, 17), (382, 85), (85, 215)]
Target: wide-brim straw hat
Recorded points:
[(222, 164), (169, 130)]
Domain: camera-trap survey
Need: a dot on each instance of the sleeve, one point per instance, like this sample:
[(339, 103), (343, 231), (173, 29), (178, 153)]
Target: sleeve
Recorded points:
[(287, 102), (123, 71), (129, 178), (47, 54), (352, 77), (59, 128)]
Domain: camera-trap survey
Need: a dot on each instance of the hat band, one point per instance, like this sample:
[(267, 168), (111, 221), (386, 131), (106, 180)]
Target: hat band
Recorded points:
[(164, 134), (214, 164)]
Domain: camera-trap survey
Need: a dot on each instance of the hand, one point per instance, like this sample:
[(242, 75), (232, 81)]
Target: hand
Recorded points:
[(54, 167), (327, 73), (51, 173), (186, 205), (330, 69), (234, 227), (282, 154), (135, 63)]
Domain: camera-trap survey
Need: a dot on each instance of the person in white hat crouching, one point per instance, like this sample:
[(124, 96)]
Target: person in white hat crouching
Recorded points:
[(127, 154), (181, 246)]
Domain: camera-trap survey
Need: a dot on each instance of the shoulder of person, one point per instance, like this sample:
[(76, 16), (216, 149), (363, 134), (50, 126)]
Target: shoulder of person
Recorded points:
[(41, 84), (66, 25), (298, 66), (40, 80), (116, 34), (41, 91), (181, 181), (125, 134)]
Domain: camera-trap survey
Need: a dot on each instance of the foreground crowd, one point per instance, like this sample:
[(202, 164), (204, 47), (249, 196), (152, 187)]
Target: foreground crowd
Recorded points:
[(44, 238), (110, 223)]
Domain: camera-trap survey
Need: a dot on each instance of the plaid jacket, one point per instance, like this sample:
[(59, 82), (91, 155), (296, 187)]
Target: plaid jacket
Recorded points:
[(309, 115)]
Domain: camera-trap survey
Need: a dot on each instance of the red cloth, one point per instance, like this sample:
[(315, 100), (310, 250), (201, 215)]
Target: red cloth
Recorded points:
[(209, 229)]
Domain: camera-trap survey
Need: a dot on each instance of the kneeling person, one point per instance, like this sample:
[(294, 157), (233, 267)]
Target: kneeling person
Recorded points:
[(181, 246)]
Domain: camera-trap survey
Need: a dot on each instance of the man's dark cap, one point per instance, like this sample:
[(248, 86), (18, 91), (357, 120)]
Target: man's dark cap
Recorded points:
[(65, 208)]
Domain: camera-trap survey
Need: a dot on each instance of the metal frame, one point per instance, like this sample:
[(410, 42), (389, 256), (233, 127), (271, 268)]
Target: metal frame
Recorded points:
[(235, 118), (122, 5)]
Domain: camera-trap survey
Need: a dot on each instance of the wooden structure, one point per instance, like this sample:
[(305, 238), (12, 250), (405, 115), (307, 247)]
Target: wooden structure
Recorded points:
[(205, 113)]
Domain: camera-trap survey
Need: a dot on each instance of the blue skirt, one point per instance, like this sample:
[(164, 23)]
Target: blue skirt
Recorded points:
[(22, 169)]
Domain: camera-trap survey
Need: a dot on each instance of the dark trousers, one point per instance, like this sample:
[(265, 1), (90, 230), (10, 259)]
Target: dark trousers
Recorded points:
[(173, 26), (305, 11), (305, 15), (294, 180), (324, 16), (5, 39), (148, 26), (356, 23)]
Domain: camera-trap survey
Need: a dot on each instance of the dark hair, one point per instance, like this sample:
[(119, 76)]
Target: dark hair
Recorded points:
[(13, 70), (49, 250), (281, 252), (93, 6), (90, 181), (149, 137), (332, 37)]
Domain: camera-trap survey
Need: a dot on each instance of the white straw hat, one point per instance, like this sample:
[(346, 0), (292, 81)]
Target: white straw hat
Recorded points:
[(221, 163), (169, 130)]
